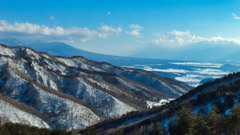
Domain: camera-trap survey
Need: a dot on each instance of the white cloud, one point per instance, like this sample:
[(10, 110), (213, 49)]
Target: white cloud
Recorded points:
[(135, 30), (108, 13), (52, 17), (104, 31), (34, 31), (180, 33), (236, 17), (181, 38)]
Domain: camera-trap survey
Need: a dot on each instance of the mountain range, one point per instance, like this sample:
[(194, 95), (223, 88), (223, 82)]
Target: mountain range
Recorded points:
[(68, 93), (64, 91), (195, 52)]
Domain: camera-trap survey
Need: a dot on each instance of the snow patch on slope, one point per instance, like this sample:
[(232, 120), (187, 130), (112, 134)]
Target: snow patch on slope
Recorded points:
[(16, 115), (79, 64), (6, 51), (65, 114), (151, 104), (102, 101), (69, 115)]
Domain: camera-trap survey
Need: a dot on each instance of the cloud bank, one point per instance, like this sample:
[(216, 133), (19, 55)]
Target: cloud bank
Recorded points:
[(34, 31), (181, 38)]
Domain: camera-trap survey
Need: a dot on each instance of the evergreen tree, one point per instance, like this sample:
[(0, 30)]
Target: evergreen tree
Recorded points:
[(213, 120), (233, 121), (185, 123), (157, 129), (201, 127)]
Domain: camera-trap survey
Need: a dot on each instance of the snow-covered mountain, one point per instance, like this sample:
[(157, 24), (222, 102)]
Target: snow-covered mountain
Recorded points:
[(70, 93)]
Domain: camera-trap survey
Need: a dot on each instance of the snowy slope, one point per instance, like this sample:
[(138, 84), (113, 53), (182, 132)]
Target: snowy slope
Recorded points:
[(16, 115), (74, 92)]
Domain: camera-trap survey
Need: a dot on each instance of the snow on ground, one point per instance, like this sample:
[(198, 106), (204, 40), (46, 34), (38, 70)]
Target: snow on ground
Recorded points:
[(65, 113), (69, 115), (120, 108), (128, 66), (92, 95), (102, 101), (32, 54), (25, 52), (170, 70), (55, 66), (39, 73), (151, 104), (43, 76), (78, 64), (16, 115), (72, 63), (6, 51), (45, 56), (199, 64), (3, 61)]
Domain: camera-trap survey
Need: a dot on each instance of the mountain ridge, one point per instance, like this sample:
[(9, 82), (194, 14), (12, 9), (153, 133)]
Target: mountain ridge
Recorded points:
[(74, 92), (222, 93)]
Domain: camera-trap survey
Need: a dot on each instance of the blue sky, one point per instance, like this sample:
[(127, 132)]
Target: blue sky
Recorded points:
[(122, 27)]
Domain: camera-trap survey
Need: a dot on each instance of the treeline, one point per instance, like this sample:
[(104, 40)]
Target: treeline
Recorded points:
[(190, 123), (214, 123), (20, 129), (222, 119), (222, 95)]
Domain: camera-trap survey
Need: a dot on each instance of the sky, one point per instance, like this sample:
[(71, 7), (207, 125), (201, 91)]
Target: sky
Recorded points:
[(122, 27)]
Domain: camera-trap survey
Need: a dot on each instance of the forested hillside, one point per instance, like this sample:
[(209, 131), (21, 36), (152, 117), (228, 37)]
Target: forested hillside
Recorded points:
[(213, 102)]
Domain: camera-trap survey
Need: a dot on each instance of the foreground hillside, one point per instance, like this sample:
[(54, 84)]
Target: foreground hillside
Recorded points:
[(20, 129), (210, 102), (71, 93)]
